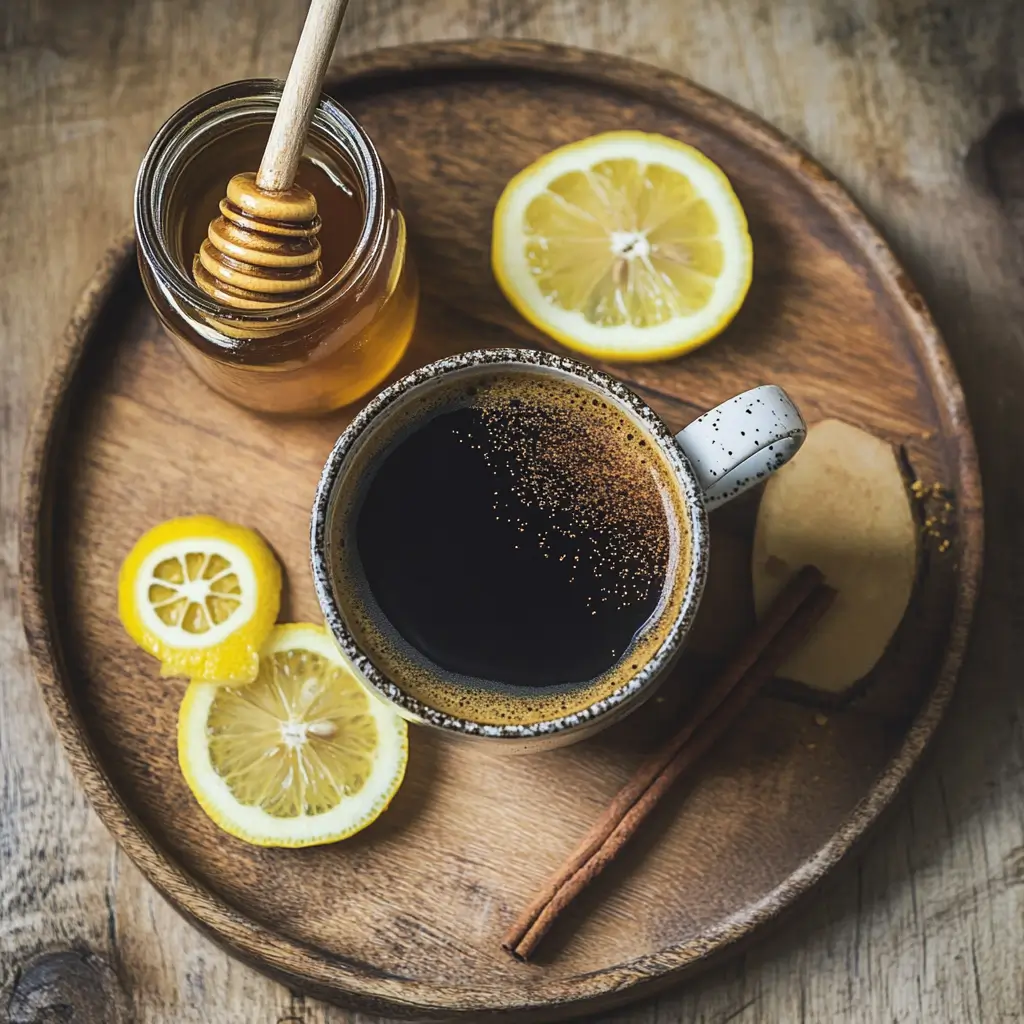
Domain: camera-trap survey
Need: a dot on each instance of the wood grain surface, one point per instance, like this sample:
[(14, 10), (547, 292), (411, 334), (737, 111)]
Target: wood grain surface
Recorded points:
[(899, 100), (408, 917)]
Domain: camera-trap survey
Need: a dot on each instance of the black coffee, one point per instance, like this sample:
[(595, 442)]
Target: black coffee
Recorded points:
[(519, 537)]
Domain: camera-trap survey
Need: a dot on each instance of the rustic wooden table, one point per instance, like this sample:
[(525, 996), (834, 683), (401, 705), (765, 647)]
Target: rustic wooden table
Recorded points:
[(916, 105)]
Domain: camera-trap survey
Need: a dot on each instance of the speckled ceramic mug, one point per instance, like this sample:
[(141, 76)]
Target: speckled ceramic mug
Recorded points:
[(719, 455)]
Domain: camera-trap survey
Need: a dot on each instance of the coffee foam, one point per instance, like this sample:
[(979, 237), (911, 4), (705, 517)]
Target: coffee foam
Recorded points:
[(586, 445)]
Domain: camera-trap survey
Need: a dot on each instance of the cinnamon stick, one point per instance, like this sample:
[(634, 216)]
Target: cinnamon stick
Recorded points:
[(802, 602)]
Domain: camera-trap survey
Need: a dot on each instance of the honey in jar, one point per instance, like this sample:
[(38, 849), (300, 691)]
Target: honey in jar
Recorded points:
[(327, 348)]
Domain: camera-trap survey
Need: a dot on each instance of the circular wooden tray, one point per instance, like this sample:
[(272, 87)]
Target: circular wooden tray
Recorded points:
[(406, 918)]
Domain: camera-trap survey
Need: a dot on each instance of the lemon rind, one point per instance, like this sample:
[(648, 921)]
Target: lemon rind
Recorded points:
[(235, 659)]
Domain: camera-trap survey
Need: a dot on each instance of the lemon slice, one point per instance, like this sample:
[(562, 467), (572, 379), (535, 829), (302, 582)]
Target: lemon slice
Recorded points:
[(302, 756), (202, 596), (624, 246)]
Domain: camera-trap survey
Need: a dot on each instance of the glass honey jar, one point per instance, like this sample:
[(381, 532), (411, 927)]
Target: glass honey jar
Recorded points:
[(327, 348)]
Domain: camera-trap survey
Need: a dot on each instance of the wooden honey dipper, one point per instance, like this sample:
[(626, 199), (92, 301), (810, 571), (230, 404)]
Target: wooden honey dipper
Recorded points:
[(262, 251)]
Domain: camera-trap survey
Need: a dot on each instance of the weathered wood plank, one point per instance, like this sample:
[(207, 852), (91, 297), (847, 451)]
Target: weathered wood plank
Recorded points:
[(892, 97)]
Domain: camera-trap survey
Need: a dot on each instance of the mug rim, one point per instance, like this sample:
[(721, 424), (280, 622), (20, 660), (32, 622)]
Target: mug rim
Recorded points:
[(643, 680)]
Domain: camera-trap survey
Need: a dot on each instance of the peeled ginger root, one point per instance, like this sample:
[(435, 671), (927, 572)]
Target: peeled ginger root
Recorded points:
[(842, 505)]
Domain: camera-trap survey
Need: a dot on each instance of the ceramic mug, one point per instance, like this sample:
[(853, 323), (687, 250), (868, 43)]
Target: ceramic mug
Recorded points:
[(718, 456)]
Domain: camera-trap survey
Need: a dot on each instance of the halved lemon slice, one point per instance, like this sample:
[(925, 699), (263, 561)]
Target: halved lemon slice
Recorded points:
[(202, 596), (302, 756), (624, 246)]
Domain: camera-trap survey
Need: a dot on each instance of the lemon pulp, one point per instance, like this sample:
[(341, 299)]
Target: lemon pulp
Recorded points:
[(300, 756), (624, 246), (193, 587)]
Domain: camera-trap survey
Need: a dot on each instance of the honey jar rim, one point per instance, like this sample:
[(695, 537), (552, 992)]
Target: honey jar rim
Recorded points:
[(168, 153)]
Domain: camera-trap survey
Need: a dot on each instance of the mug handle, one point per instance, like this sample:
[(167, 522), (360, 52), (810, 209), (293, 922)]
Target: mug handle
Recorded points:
[(741, 442)]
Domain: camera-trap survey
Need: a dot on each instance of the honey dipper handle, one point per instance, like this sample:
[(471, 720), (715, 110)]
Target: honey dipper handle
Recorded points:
[(301, 92)]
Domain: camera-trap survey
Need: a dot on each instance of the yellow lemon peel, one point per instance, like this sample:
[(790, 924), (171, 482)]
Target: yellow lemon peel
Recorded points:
[(202, 596)]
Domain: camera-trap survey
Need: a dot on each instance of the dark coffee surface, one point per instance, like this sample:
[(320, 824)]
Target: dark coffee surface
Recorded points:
[(519, 536)]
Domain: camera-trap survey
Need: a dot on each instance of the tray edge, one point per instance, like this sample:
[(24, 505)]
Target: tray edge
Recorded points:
[(623, 982)]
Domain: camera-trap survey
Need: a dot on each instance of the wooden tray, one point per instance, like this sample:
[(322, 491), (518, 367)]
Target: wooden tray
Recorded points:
[(405, 919)]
